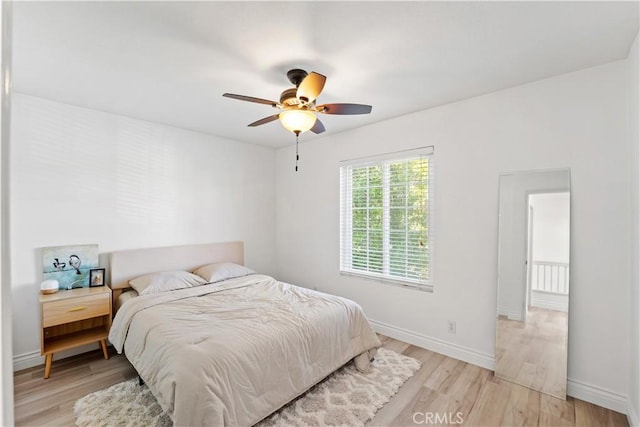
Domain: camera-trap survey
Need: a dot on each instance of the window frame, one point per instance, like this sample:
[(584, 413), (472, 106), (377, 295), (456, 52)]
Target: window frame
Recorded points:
[(346, 217)]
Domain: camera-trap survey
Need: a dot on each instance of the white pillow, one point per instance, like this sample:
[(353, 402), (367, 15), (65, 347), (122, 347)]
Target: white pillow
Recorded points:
[(154, 283), (222, 271), (122, 298)]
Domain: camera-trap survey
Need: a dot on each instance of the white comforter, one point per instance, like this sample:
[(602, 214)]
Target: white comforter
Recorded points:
[(233, 352)]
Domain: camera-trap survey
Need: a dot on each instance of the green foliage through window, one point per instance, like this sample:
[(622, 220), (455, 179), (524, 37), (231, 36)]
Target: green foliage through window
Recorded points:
[(386, 219)]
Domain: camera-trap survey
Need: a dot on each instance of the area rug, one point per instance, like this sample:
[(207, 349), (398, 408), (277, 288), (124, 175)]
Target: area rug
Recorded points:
[(345, 398)]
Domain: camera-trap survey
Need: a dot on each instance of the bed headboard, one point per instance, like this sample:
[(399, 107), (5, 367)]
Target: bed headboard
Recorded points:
[(129, 264)]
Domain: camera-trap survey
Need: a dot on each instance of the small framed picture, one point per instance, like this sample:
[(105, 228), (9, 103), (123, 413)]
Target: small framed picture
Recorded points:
[(96, 277)]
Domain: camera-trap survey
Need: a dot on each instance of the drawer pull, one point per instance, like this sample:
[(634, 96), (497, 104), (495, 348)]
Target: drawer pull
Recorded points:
[(77, 308)]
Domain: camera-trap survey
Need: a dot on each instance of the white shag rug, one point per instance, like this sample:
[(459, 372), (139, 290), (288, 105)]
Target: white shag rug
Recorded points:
[(345, 398)]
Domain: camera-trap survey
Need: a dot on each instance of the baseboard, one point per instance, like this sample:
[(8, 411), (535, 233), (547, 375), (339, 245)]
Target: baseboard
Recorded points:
[(27, 360), (33, 358), (439, 346), (511, 315), (597, 395), (632, 416), (550, 301), (579, 390)]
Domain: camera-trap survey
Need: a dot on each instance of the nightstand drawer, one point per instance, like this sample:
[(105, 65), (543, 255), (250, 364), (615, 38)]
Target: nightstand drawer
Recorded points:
[(70, 310)]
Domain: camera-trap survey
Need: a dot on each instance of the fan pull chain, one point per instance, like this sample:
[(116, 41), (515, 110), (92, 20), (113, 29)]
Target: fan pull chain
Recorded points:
[(297, 156)]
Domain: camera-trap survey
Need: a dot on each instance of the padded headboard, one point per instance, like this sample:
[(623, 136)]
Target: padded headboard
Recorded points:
[(129, 264)]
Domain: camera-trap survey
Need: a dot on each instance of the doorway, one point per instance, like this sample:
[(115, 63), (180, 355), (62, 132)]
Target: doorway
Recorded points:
[(548, 252)]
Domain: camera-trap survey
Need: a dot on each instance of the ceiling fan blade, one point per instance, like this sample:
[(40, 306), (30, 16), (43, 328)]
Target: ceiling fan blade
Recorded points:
[(318, 127), (264, 121), (310, 87), (344, 109), (250, 99)]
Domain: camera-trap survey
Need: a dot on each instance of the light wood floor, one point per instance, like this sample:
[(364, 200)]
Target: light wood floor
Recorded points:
[(534, 353), (441, 386)]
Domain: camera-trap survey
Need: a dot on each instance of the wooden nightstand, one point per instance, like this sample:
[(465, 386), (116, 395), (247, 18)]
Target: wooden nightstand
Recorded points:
[(73, 318)]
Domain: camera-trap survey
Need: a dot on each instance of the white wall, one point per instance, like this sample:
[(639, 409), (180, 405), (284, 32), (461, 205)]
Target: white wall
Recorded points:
[(84, 176), (6, 371), (634, 177), (551, 227), (577, 120)]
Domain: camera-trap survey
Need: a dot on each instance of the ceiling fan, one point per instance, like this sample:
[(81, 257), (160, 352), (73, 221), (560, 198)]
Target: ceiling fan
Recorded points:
[(298, 105)]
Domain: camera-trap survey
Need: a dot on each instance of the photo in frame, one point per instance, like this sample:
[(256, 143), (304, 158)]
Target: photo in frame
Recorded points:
[(96, 277)]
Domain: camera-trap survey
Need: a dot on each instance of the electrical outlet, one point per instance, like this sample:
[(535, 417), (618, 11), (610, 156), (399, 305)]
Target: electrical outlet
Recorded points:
[(452, 327)]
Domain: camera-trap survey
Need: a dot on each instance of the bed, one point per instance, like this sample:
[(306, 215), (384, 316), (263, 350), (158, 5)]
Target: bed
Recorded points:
[(234, 351)]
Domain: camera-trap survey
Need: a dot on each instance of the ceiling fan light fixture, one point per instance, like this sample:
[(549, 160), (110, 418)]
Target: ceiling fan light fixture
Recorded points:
[(297, 121)]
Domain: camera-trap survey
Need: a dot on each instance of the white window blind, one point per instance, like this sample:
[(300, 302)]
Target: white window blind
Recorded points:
[(385, 210)]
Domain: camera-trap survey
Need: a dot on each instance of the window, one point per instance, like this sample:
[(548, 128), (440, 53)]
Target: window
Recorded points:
[(385, 210)]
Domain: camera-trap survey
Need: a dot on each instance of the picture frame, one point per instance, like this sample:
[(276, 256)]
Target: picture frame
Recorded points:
[(96, 277)]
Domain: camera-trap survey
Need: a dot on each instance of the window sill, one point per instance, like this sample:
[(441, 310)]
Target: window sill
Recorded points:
[(396, 282)]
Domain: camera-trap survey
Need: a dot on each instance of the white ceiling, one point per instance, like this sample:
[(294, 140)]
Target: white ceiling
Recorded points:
[(170, 62)]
